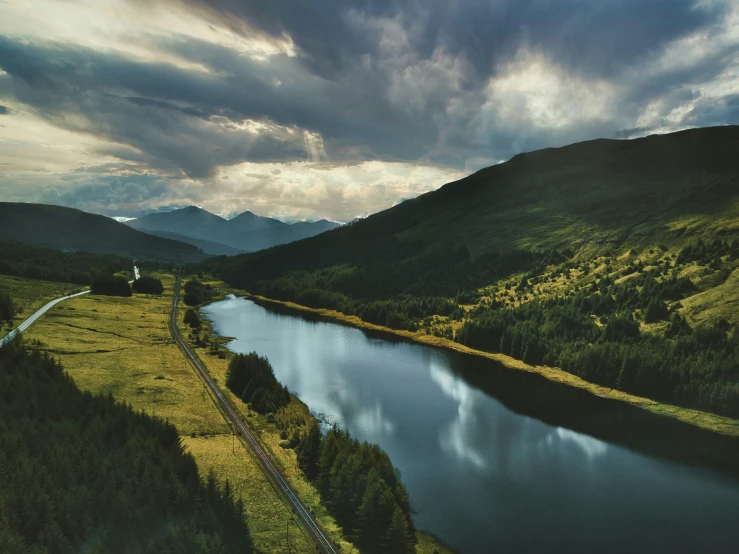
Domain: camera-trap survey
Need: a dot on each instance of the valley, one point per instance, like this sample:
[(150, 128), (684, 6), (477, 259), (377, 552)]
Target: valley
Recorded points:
[(577, 343), (354, 277)]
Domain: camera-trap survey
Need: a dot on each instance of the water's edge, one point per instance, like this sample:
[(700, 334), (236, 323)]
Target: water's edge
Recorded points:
[(563, 405)]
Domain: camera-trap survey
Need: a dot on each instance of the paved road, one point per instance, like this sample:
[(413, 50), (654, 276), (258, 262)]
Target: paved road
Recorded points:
[(45, 308), (301, 510)]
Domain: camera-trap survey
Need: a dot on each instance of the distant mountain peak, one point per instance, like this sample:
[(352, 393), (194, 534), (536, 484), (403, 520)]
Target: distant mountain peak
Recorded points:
[(245, 232)]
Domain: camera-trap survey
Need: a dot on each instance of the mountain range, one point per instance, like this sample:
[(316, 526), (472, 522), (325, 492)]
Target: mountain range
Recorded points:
[(592, 196), (614, 261), (246, 232), (70, 229)]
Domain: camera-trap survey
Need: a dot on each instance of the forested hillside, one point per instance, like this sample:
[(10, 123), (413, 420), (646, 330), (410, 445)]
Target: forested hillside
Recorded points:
[(81, 473), (69, 229), (80, 268), (614, 260)]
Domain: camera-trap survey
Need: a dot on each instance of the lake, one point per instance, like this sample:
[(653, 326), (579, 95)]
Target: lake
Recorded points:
[(498, 460)]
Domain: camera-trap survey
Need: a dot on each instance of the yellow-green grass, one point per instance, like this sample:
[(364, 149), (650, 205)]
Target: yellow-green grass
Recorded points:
[(268, 433), (29, 295), (720, 302), (123, 346)]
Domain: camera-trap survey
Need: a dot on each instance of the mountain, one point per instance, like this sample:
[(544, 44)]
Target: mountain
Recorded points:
[(208, 247), (614, 260), (191, 221), (589, 197), (249, 221), (69, 229), (246, 232)]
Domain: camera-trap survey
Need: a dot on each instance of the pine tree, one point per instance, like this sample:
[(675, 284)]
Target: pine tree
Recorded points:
[(397, 539), (309, 452)]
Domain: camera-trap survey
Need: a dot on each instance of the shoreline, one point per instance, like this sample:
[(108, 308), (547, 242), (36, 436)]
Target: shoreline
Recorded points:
[(711, 422), (428, 542)]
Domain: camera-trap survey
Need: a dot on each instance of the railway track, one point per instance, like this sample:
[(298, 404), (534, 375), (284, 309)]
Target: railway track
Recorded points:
[(302, 512)]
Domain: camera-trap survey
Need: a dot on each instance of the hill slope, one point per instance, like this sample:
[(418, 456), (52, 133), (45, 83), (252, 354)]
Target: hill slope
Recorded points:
[(69, 229), (596, 196), (617, 261), (246, 232), (209, 247), (191, 221)]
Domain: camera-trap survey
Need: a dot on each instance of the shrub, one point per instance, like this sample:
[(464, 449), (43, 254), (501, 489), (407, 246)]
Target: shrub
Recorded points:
[(192, 319), (197, 293), (7, 309), (147, 285), (111, 285), (656, 311)]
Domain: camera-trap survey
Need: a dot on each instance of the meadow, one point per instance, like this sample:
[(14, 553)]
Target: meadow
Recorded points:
[(29, 295), (123, 346)]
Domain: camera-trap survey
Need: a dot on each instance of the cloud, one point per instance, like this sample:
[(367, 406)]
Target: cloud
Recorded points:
[(205, 95)]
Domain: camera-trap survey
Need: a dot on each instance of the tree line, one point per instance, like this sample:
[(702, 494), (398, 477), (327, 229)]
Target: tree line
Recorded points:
[(387, 291), (80, 472), (361, 489), (197, 293), (696, 368), (357, 481), (252, 378), (80, 268)]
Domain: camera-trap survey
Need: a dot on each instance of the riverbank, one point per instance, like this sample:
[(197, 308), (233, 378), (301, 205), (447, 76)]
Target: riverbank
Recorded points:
[(272, 430), (703, 420)]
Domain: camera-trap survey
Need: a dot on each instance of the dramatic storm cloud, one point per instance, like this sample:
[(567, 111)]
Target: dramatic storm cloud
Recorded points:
[(335, 108)]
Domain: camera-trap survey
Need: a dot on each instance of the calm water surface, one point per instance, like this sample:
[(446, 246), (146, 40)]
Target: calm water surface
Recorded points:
[(480, 476)]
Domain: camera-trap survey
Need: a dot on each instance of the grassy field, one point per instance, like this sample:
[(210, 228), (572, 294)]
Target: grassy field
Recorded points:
[(123, 346), (30, 294), (269, 432)]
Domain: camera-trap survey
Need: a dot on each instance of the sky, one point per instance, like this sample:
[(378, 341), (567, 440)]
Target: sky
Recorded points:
[(335, 108)]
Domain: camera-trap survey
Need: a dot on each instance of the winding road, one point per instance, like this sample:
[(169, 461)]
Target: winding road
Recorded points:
[(322, 541)]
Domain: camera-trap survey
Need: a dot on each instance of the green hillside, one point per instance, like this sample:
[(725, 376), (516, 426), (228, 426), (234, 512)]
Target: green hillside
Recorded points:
[(614, 260), (80, 268), (69, 229), (597, 195)]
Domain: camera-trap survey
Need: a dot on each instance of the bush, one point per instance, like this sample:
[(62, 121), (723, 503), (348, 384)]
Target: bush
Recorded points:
[(7, 309), (197, 293), (656, 311), (147, 285), (192, 319), (111, 285)]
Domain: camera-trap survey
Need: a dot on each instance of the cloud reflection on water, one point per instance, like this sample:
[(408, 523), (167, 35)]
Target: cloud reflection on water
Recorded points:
[(495, 440)]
